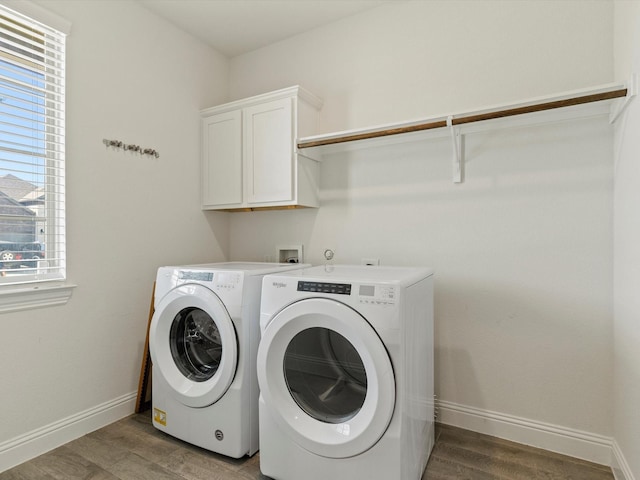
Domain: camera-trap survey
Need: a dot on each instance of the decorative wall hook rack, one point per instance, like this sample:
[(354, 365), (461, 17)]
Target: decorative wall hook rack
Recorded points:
[(131, 147)]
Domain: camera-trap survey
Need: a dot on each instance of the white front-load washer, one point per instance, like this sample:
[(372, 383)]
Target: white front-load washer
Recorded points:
[(203, 341), (345, 369)]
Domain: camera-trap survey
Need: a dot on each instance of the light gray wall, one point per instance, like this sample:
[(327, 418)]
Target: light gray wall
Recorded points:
[(523, 249), (135, 78), (413, 59), (626, 327)]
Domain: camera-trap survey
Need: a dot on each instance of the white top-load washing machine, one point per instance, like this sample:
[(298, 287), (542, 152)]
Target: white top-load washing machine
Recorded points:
[(345, 369), (203, 342)]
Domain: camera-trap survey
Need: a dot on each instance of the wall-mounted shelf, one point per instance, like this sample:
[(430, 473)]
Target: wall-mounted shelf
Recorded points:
[(609, 100)]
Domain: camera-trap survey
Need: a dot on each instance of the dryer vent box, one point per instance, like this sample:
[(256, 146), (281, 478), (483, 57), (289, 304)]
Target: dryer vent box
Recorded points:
[(289, 254)]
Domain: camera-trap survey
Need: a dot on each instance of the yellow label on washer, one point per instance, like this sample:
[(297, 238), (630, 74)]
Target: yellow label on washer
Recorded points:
[(159, 416)]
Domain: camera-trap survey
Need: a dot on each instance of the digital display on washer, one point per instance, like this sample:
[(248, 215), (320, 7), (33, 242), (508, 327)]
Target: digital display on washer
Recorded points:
[(367, 290), (197, 276), (322, 287)]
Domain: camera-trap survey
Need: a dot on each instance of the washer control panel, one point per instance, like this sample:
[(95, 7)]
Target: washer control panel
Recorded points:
[(227, 280), (324, 287), (195, 276), (370, 294), (377, 294), (216, 280)]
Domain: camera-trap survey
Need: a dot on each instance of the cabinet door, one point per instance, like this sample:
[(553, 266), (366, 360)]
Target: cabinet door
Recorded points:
[(268, 151), (222, 159)]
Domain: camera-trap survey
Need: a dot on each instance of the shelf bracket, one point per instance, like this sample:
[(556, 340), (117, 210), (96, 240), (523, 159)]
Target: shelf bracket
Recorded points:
[(619, 107), (456, 141)]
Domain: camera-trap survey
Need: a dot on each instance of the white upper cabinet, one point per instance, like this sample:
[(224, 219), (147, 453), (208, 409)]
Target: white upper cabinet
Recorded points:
[(249, 153), (222, 179)]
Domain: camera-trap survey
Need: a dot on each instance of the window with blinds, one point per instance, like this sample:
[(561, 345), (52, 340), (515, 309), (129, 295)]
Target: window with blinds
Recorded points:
[(32, 205)]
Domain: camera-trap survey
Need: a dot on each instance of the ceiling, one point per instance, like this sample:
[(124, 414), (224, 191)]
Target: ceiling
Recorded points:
[(234, 27)]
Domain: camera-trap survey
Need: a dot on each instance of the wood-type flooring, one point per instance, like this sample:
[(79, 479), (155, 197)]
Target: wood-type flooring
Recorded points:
[(132, 449)]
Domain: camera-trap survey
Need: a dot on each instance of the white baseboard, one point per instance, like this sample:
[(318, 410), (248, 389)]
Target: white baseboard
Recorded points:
[(619, 465), (25, 447), (575, 443)]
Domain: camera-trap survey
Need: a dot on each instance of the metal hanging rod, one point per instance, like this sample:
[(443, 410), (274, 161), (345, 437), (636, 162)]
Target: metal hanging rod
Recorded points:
[(540, 107), (131, 147), (452, 121)]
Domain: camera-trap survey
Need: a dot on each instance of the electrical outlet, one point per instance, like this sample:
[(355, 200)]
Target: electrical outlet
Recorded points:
[(370, 261)]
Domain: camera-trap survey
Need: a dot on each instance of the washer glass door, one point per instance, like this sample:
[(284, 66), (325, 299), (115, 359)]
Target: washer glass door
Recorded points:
[(326, 378), (193, 345), (325, 375), (196, 344)]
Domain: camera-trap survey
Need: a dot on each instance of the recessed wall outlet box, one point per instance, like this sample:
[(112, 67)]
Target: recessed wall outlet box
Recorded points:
[(370, 261), (289, 254)]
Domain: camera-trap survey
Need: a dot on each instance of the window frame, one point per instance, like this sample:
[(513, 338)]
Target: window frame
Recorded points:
[(32, 290)]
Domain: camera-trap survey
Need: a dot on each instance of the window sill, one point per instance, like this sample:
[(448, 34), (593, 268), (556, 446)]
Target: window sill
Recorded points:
[(39, 296)]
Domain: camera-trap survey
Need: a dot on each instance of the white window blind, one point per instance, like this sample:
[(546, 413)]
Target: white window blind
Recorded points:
[(32, 204)]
